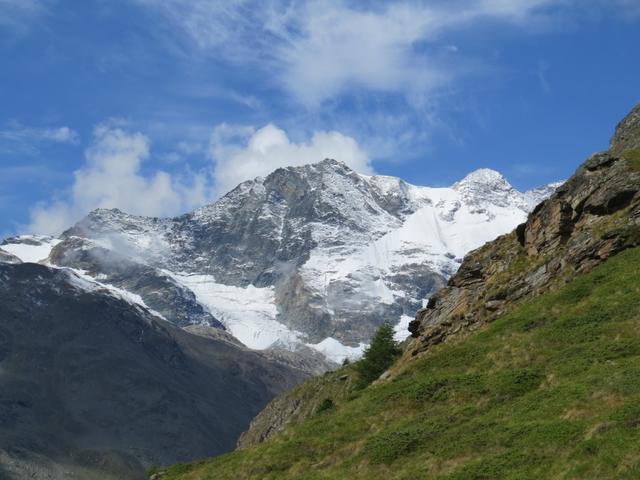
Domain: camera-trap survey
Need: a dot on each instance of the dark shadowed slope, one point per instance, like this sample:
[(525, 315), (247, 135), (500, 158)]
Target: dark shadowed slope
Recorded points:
[(92, 386)]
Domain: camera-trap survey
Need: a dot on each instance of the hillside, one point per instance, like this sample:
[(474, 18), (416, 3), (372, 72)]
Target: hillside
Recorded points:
[(524, 366)]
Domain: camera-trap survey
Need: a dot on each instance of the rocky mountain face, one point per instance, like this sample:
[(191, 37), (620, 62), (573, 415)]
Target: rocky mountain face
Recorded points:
[(592, 216), (309, 259), (95, 386), (158, 290)]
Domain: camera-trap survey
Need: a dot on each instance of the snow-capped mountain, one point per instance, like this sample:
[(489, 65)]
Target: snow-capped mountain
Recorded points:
[(308, 258)]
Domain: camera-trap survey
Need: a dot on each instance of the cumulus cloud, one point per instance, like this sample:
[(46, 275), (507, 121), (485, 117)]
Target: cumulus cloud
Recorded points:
[(112, 178), (241, 153)]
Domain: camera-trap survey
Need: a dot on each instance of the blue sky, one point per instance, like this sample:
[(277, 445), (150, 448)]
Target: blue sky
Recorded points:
[(159, 106)]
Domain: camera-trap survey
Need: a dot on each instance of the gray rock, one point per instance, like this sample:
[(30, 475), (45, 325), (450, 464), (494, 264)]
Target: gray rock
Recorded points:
[(6, 257)]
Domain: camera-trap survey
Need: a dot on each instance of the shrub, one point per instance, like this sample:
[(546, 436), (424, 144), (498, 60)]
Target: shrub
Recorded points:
[(390, 445), (326, 404)]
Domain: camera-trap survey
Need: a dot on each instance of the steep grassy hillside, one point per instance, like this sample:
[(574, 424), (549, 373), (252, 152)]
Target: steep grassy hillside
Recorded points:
[(549, 390)]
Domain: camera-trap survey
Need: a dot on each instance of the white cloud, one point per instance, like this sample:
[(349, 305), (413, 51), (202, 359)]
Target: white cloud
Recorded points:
[(241, 153), (111, 178), (17, 133), (340, 48), (60, 135), (51, 218), (318, 50)]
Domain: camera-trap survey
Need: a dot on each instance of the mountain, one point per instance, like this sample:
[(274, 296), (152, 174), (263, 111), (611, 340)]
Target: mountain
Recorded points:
[(524, 366), (309, 259), (94, 385)]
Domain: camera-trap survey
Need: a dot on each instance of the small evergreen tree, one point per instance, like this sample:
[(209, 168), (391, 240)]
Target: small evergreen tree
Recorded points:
[(379, 356)]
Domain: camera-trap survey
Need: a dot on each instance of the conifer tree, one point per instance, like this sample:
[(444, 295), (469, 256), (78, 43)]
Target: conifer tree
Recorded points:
[(379, 356)]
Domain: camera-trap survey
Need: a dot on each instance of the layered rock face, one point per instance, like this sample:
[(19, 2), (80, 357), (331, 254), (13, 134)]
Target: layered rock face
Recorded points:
[(308, 259), (592, 216), (93, 386)]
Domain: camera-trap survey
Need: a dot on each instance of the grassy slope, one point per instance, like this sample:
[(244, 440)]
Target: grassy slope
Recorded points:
[(551, 390)]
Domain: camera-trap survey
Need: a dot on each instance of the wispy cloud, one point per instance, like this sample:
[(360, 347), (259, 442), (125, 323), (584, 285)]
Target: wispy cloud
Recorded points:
[(318, 50), (20, 133), (18, 14), (541, 72), (19, 139)]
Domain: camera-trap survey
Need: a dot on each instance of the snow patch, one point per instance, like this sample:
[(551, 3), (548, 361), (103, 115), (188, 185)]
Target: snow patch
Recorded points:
[(336, 351), (401, 329), (444, 226), (31, 248), (249, 314), (84, 282)]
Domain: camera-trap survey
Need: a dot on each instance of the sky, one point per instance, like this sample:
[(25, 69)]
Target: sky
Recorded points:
[(157, 107)]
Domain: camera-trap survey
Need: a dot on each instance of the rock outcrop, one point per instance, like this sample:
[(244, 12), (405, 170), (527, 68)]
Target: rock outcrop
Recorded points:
[(6, 257), (592, 216), (627, 136), (298, 405)]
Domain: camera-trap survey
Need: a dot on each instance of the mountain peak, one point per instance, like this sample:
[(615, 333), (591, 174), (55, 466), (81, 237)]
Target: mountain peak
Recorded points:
[(482, 176), (327, 165), (332, 162)]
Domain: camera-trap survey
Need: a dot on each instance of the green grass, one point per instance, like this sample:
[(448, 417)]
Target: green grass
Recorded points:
[(551, 390), (632, 156)]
